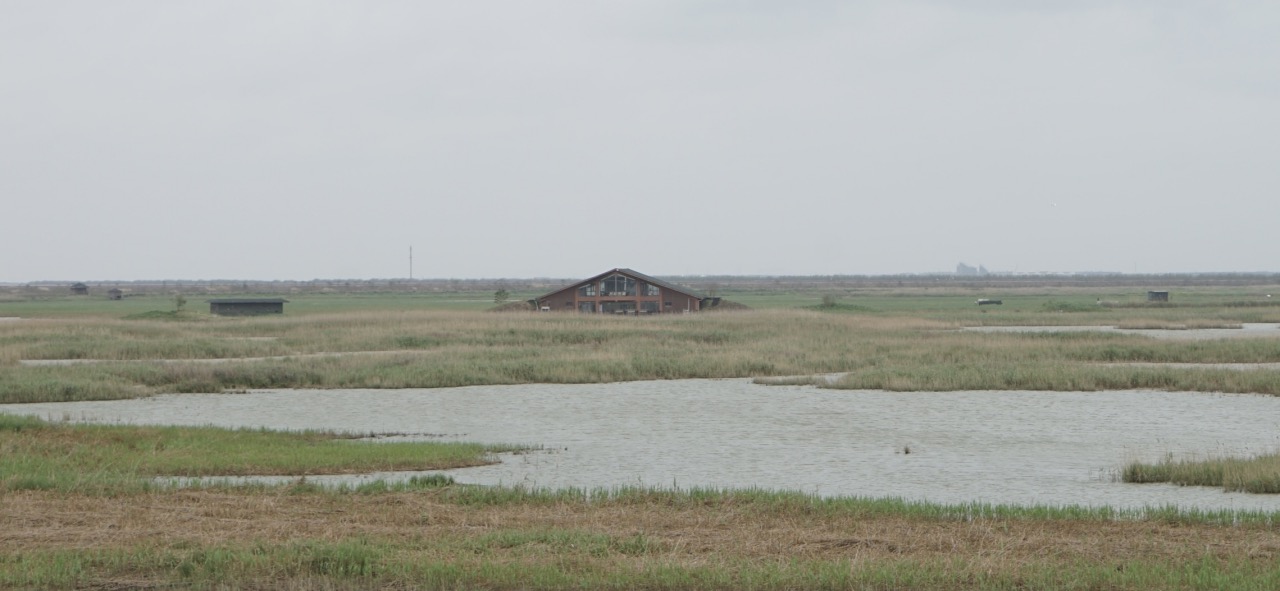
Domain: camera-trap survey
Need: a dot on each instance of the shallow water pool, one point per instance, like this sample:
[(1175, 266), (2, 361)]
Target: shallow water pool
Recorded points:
[(1051, 448)]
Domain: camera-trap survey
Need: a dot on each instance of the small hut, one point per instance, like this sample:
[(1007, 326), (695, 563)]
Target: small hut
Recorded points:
[(247, 306), (1157, 296), (115, 294), (79, 289)]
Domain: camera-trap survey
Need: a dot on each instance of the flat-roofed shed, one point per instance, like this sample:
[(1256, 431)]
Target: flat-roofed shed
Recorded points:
[(247, 306)]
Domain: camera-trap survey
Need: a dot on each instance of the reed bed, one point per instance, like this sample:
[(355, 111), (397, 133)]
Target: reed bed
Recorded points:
[(1258, 474), (426, 349)]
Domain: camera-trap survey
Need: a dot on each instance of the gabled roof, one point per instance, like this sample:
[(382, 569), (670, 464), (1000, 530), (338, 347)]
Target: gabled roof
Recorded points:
[(631, 273)]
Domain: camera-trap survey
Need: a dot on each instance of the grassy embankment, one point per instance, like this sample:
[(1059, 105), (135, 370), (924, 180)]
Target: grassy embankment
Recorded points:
[(94, 524)]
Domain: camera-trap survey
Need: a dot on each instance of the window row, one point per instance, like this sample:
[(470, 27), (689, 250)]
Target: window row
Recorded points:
[(619, 307), (617, 285)]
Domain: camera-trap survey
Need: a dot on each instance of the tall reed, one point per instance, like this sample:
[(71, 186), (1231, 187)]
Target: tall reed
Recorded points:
[(1258, 474)]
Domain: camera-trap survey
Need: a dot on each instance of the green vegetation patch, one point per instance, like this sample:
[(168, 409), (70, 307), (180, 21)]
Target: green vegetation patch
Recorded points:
[(378, 564), (172, 315), (39, 455)]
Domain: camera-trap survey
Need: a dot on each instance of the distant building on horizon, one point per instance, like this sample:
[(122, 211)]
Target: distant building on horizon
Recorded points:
[(622, 291), (79, 289), (966, 270)]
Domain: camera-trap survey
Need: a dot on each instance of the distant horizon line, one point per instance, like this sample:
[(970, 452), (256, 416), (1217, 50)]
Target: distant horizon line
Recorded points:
[(948, 274)]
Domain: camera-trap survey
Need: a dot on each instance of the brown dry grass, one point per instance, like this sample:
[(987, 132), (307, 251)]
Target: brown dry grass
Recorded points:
[(691, 536)]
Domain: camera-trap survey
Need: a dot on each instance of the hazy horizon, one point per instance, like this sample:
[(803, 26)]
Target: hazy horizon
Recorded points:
[(303, 140), (927, 274)]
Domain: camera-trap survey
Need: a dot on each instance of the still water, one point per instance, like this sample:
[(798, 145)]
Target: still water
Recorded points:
[(1054, 448)]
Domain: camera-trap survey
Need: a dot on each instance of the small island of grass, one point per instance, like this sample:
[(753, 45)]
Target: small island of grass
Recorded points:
[(1259, 474)]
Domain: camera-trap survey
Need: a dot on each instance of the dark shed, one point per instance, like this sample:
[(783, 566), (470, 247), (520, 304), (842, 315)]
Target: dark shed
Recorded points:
[(1157, 296), (79, 289), (247, 306)]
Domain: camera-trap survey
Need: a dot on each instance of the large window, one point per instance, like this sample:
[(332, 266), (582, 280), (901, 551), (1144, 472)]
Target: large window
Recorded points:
[(650, 289), (618, 307), (588, 307), (587, 291), (650, 307), (618, 285)]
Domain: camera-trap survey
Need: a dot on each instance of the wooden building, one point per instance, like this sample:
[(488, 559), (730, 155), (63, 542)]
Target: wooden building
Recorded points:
[(247, 306), (79, 289), (621, 291), (115, 294)]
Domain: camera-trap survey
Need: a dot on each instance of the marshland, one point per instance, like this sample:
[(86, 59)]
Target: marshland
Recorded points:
[(855, 384)]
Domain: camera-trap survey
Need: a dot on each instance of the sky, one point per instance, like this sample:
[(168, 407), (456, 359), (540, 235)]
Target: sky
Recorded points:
[(320, 139)]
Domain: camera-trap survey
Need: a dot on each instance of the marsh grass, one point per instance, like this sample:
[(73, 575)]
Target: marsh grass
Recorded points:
[(77, 509), (1049, 376), (429, 349), (39, 455), (377, 564), (896, 342), (1259, 474), (442, 538)]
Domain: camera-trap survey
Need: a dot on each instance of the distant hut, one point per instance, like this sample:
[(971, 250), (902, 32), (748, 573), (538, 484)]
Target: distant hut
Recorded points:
[(79, 289), (115, 294), (1157, 296), (247, 306)]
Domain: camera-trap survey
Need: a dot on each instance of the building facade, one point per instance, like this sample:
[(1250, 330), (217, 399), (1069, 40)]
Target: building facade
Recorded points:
[(621, 291)]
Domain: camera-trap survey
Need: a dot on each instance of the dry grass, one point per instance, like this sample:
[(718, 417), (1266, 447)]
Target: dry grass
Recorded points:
[(426, 349), (622, 539)]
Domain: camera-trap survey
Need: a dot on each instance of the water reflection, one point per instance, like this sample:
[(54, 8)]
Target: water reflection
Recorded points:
[(1005, 447)]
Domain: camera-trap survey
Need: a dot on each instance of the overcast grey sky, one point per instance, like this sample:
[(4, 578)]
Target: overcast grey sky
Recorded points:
[(322, 139)]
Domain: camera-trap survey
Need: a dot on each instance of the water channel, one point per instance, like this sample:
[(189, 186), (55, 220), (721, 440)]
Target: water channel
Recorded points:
[(1054, 448)]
